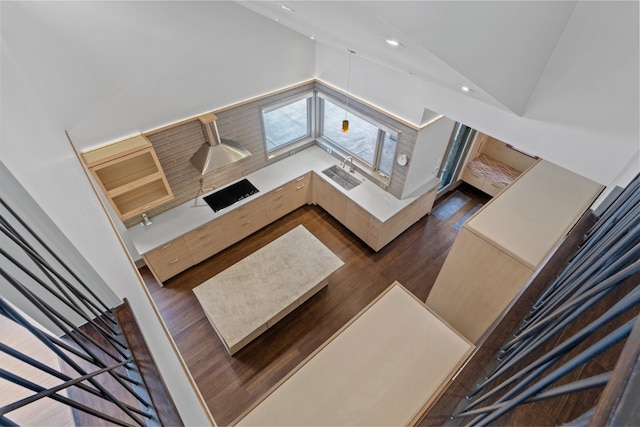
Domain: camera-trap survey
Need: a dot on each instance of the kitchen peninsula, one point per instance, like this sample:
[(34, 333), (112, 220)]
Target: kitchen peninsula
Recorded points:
[(170, 246)]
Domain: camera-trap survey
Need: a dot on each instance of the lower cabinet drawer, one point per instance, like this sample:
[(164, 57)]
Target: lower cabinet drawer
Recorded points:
[(205, 241), (278, 203), (474, 179), (300, 188), (492, 188), (239, 224), (169, 259)]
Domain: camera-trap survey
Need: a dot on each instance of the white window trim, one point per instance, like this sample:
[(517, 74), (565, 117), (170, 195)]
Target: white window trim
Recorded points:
[(297, 143), (370, 170)]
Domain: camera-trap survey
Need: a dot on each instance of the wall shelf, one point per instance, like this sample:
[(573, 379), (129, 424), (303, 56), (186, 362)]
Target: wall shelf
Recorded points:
[(130, 176)]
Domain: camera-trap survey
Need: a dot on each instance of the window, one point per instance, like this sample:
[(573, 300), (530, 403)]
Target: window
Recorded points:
[(372, 144), (287, 122)]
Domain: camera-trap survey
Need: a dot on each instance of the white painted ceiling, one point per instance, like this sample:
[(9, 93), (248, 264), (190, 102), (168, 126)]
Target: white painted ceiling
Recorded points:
[(498, 48)]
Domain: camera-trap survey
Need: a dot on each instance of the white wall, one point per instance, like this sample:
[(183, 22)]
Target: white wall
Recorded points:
[(428, 153), (107, 70), (583, 115)]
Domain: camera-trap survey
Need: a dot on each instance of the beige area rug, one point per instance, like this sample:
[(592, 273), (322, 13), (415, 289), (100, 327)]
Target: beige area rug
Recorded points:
[(245, 299)]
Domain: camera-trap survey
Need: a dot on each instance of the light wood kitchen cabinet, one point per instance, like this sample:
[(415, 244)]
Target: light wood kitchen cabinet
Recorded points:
[(222, 232), (424, 203), (371, 230), (130, 176), (242, 221), (357, 220), (278, 202), (498, 250), (205, 241), (301, 189), (395, 225), (329, 198), (169, 259)]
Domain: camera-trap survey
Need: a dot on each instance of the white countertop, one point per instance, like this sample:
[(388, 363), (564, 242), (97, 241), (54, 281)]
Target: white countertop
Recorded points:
[(191, 215)]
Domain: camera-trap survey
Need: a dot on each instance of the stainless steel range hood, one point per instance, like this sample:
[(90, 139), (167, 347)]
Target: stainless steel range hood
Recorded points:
[(215, 152)]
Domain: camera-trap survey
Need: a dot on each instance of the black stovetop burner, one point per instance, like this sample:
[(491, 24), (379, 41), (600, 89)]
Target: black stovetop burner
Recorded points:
[(230, 195)]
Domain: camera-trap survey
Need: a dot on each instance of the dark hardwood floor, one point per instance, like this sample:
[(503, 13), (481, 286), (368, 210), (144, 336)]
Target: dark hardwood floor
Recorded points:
[(230, 384)]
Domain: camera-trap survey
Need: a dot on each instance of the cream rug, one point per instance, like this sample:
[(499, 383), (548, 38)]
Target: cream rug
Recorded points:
[(245, 299)]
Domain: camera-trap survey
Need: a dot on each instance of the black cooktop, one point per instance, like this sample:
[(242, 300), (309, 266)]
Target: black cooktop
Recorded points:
[(230, 195)]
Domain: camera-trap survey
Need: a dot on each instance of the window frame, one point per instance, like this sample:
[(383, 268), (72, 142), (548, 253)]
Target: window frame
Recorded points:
[(310, 96), (374, 168)]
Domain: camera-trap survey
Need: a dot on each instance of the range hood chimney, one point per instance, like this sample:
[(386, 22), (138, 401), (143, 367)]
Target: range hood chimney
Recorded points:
[(215, 152)]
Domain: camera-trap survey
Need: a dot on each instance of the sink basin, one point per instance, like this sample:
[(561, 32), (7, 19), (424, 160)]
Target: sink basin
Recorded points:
[(343, 178)]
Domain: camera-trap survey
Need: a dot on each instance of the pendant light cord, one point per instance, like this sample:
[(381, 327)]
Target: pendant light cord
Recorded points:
[(348, 82)]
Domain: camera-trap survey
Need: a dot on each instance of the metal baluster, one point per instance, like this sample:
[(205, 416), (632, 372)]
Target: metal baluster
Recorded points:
[(81, 313), (10, 313), (626, 303), (602, 345), (55, 277), (44, 368), (573, 387), (595, 252), (105, 308)]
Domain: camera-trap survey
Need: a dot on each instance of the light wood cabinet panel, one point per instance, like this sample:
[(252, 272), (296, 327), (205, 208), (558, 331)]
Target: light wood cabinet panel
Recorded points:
[(301, 189), (205, 241), (242, 221), (395, 225), (472, 178), (278, 202), (169, 259), (130, 176), (330, 199), (357, 220), (375, 225), (498, 277), (424, 203)]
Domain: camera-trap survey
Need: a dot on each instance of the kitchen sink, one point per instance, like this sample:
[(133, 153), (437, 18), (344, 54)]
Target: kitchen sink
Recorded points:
[(343, 178)]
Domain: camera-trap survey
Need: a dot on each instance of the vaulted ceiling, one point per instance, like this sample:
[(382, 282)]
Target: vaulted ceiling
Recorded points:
[(498, 49)]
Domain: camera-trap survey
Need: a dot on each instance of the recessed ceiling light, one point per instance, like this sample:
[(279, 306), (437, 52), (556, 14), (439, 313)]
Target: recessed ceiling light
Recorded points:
[(287, 8), (312, 37), (392, 42), (466, 89)]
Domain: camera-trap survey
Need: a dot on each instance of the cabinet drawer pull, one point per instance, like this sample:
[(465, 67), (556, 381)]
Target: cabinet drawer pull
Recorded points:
[(279, 190), (174, 261), (166, 246), (279, 206), (203, 237), (277, 198), (244, 206), (301, 178), (246, 223), (300, 187)]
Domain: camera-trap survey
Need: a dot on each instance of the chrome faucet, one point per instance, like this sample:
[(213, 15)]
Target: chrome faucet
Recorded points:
[(349, 159)]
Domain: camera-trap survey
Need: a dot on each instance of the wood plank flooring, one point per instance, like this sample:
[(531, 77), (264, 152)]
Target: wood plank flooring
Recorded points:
[(229, 384)]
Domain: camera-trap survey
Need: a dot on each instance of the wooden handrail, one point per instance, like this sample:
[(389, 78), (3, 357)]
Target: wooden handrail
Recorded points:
[(162, 401), (618, 403)]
